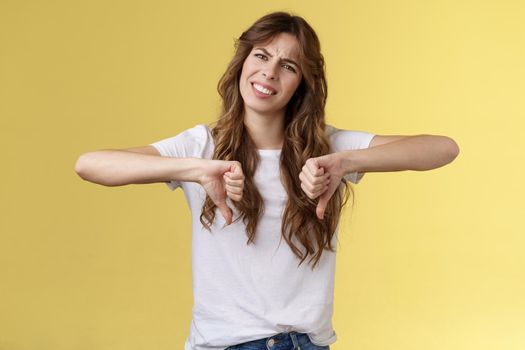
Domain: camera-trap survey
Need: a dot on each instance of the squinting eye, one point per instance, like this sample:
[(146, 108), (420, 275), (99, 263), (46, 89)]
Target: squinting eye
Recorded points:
[(261, 56), (290, 68)]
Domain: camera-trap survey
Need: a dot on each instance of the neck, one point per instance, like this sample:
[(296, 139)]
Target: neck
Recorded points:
[(267, 132)]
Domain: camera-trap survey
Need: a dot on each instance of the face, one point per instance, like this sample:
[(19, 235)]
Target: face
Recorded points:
[(270, 75)]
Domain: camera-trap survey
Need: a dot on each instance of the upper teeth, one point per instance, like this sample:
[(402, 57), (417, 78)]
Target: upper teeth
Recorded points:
[(262, 89)]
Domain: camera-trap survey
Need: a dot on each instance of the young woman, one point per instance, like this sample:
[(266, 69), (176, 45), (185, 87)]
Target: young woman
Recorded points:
[(269, 171)]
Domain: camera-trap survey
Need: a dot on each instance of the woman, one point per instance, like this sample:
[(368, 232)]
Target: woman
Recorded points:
[(272, 170)]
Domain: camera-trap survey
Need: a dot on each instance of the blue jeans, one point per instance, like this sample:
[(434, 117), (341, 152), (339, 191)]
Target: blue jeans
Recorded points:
[(282, 341)]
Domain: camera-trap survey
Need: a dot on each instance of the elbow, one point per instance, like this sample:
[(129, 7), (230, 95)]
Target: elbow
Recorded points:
[(81, 166), (451, 150), (85, 167)]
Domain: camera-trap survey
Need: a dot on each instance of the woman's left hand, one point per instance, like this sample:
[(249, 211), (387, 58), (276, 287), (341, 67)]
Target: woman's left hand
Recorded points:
[(320, 177)]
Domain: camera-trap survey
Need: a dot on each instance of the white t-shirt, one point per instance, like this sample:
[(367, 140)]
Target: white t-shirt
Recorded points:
[(245, 292)]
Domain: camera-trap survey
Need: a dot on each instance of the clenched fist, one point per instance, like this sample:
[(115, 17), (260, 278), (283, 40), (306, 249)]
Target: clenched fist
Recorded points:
[(221, 179), (320, 177)]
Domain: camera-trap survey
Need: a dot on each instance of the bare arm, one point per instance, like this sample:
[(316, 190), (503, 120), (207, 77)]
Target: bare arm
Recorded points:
[(321, 176), (419, 152), (138, 165), (142, 165)]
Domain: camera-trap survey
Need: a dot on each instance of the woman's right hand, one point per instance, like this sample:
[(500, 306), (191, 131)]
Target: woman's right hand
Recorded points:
[(221, 179)]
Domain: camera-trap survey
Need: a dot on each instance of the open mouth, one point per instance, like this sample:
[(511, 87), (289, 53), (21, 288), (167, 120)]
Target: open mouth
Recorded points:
[(262, 90)]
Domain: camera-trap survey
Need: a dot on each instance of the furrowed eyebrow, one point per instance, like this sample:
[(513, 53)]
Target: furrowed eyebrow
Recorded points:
[(284, 59)]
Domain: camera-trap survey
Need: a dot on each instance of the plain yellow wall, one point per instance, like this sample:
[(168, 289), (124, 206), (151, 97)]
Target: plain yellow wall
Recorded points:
[(427, 260)]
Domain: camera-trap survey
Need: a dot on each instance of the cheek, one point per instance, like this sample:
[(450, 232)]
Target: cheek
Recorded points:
[(247, 66), (243, 81), (243, 77), (244, 68), (246, 73), (294, 85)]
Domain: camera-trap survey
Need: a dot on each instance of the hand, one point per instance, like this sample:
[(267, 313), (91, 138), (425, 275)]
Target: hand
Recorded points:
[(320, 177), (221, 179)]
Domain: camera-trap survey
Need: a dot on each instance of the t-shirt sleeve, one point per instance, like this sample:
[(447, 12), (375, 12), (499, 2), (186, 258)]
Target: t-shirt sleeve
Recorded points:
[(343, 140), (192, 142)]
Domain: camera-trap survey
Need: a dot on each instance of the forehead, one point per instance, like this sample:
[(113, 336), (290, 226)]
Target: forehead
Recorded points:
[(282, 44)]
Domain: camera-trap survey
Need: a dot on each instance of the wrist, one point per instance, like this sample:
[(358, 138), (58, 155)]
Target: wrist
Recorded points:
[(348, 161), (187, 169), (197, 169)]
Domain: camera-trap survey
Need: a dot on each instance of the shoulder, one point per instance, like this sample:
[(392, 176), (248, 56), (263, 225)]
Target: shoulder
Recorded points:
[(200, 132), (193, 142), (341, 139), (329, 130)]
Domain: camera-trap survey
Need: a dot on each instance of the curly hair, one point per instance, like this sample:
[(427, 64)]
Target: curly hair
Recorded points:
[(304, 138)]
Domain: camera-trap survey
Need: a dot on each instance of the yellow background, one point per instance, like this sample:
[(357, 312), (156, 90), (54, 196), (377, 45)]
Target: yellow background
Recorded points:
[(427, 260)]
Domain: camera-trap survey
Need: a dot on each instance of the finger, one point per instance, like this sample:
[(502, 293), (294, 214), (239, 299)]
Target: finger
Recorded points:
[(322, 179), (323, 201), (322, 189), (319, 191), (321, 206), (311, 181), (305, 175), (305, 190), (235, 197), (234, 176), (235, 168), (313, 166), (232, 182), (316, 186), (315, 189), (309, 193), (226, 212), (319, 187), (233, 189), (315, 179)]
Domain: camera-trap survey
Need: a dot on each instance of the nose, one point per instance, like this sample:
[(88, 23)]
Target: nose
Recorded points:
[(269, 75), (271, 71)]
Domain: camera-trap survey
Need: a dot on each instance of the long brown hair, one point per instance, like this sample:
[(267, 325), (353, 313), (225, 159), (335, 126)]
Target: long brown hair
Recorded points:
[(304, 138)]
